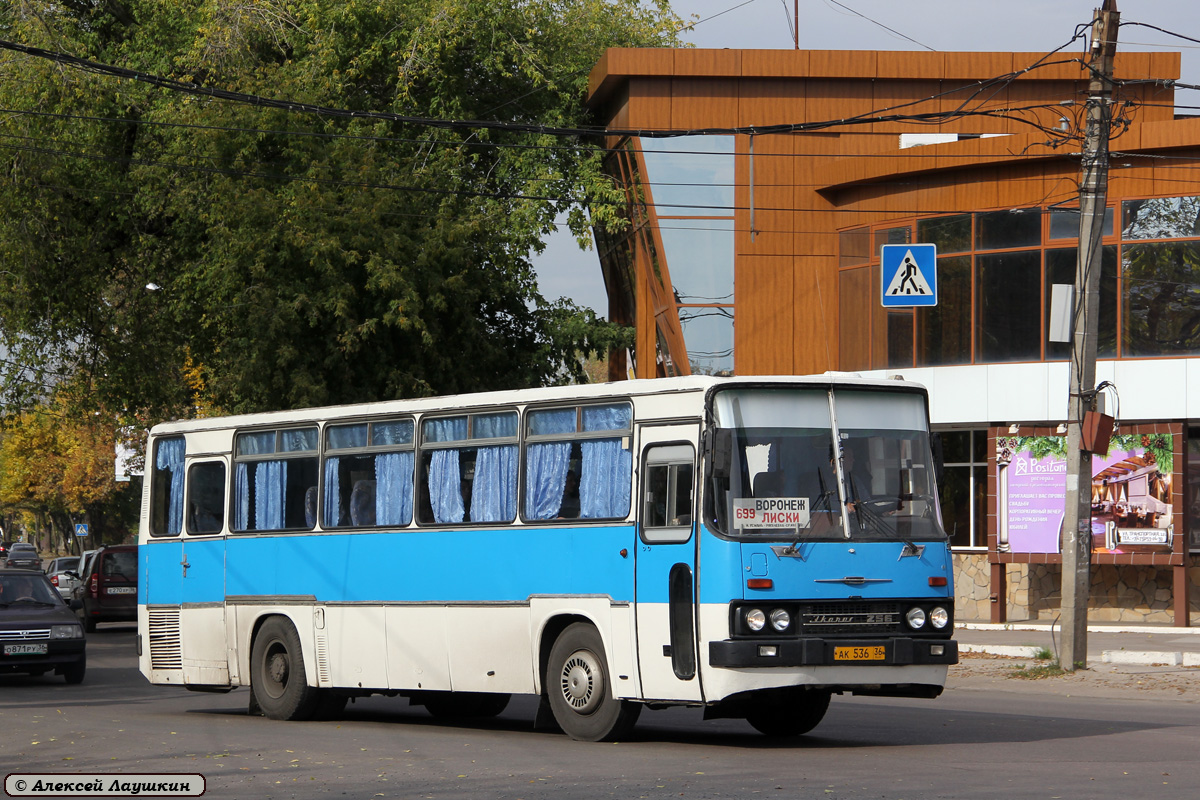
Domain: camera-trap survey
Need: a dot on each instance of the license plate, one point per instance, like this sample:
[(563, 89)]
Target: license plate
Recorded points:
[(39, 649), (123, 590), (873, 653)]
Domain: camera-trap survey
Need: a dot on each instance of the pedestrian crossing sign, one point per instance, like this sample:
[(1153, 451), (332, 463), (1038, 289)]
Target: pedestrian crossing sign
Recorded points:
[(909, 275)]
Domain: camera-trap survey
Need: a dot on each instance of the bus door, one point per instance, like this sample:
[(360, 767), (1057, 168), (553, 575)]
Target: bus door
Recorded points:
[(666, 563), (201, 571)]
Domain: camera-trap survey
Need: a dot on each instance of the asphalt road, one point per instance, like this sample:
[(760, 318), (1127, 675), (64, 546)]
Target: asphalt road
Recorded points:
[(984, 738)]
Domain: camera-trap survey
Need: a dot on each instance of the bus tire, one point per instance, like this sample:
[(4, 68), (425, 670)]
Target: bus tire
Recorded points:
[(277, 673), (580, 690), (792, 713), (464, 705)]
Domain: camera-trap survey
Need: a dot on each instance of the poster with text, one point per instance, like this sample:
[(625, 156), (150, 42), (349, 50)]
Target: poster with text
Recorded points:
[(1130, 488)]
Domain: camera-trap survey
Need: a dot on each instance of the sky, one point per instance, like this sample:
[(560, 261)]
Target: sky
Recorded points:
[(946, 25)]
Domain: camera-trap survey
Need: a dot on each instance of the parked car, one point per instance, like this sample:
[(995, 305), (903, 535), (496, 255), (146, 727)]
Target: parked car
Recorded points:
[(38, 632), (110, 586), (62, 573), (4, 549), (79, 576), (23, 555)]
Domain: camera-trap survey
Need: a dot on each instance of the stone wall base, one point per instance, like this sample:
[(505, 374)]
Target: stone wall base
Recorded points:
[(1130, 594)]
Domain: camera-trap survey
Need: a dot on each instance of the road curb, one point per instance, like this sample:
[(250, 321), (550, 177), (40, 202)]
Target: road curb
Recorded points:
[(1143, 657), (1009, 650)]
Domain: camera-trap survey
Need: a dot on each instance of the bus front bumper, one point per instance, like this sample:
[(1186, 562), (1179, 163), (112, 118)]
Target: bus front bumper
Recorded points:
[(816, 652)]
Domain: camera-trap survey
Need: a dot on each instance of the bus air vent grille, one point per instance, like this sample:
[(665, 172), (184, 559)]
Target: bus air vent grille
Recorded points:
[(322, 660), (165, 650), (850, 617)]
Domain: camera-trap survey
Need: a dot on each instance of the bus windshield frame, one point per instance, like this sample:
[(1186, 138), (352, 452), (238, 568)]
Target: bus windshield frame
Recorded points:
[(821, 463)]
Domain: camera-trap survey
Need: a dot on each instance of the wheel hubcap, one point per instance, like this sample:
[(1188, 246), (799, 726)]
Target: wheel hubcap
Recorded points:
[(581, 681), (276, 669)]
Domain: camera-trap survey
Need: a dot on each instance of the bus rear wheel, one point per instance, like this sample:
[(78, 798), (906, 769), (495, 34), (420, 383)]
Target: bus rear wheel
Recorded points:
[(581, 691), (277, 675), (789, 713)]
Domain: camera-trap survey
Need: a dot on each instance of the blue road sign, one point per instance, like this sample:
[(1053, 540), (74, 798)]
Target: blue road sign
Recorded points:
[(81, 529), (908, 275)]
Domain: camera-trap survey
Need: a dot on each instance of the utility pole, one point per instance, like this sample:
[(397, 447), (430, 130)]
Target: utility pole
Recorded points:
[(1093, 191)]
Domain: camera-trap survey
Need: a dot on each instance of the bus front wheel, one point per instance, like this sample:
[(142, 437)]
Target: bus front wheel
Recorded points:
[(791, 713), (277, 675), (581, 691)]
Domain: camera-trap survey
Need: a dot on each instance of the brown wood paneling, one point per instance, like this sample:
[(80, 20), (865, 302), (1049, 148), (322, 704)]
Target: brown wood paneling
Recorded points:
[(854, 319), (650, 103), (711, 63), (980, 66), (910, 64), (838, 100), (814, 309), (704, 103), (775, 63), (774, 180), (896, 97), (764, 330), (771, 102), (842, 63)]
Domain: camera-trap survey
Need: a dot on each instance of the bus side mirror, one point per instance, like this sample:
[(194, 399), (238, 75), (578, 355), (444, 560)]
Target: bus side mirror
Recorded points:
[(721, 454)]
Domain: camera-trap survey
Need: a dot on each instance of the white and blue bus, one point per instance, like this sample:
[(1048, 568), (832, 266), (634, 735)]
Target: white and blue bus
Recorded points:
[(747, 545)]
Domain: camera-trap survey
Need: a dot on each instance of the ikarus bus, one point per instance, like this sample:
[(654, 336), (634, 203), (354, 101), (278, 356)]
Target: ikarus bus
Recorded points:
[(751, 546)]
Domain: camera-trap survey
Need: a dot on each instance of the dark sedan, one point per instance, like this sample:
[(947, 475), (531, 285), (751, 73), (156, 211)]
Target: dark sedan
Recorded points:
[(23, 555), (38, 631)]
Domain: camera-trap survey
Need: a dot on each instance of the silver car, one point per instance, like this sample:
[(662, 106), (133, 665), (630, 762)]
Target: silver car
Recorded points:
[(63, 572)]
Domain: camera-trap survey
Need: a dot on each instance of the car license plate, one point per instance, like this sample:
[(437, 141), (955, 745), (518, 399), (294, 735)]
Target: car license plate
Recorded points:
[(39, 649), (123, 590), (872, 653)]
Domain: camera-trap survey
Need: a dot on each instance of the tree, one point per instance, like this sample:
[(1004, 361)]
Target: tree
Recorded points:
[(58, 466), (296, 259)]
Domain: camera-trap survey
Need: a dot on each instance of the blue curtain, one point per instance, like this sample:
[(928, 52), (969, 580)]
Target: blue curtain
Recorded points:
[(494, 490), (606, 418), (494, 426), (394, 488), (445, 486), (604, 484), (270, 479), (169, 456), (241, 497), (333, 495), (545, 478)]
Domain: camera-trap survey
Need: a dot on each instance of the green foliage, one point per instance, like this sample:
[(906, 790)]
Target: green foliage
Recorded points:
[(1158, 446), (301, 260)]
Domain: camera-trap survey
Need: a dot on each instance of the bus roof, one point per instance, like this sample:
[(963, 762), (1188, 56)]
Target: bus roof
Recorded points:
[(581, 392)]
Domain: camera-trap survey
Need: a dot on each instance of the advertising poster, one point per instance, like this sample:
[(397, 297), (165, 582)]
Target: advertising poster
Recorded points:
[(1130, 489)]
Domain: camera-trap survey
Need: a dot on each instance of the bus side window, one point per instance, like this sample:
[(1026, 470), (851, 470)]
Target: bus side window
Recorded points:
[(166, 487), (206, 497), (577, 463), (475, 481)]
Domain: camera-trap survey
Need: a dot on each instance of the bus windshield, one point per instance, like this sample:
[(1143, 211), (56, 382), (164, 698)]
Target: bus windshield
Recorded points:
[(810, 463)]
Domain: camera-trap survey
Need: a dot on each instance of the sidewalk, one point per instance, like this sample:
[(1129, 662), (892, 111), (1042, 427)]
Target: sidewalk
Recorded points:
[(1109, 643)]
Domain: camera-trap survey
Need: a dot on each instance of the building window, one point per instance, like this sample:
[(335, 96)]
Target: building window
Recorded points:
[(944, 330), (963, 491), (1007, 307), (1161, 301), (1060, 268)]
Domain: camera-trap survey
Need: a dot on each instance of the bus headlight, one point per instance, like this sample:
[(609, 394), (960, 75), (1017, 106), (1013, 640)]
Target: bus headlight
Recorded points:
[(915, 617), (780, 619), (756, 620), (940, 617)]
